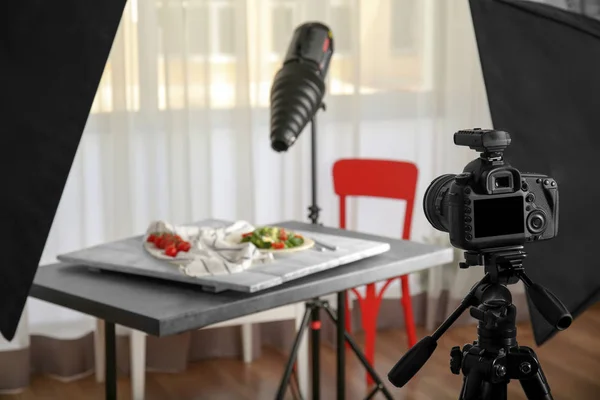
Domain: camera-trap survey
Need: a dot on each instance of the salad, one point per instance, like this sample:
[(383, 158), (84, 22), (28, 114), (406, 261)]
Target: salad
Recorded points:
[(269, 237)]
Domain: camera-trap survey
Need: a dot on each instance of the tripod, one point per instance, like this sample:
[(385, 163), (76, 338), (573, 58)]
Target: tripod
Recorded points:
[(312, 317), (495, 357)]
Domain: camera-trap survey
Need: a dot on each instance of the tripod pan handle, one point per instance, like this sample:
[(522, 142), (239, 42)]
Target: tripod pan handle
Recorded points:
[(412, 361), (551, 308)]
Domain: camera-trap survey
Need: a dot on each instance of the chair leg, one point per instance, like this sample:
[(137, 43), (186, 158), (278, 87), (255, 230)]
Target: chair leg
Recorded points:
[(247, 342), (302, 365), (138, 364), (99, 350), (369, 321), (409, 320)]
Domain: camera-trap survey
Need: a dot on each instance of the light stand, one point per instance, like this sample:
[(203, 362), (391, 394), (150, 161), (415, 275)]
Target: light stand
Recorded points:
[(312, 317)]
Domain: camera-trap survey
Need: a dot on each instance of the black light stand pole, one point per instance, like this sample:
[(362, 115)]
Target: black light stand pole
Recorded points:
[(312, 314), (314, 209), (341, 296), (313, 215)]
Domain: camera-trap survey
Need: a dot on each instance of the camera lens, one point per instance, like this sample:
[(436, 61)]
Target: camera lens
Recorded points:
[(435, 202), (536, 221)]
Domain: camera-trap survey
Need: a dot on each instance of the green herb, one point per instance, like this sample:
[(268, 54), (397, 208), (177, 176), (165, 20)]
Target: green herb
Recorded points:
[(267, 237)]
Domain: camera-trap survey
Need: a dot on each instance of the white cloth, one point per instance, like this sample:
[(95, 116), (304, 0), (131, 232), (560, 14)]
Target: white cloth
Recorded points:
[(214, 251)]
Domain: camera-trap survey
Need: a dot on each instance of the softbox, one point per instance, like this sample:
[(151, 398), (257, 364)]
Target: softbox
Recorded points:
[(52, 55), (541, 69)]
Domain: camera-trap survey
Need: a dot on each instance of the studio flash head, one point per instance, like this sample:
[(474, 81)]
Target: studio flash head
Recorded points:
[(299, 86)]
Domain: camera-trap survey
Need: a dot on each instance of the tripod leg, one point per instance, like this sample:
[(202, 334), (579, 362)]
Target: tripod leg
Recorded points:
[(537, 387), (494, 391), (461, 396), (472, 386), (292, 360), (363, 360)]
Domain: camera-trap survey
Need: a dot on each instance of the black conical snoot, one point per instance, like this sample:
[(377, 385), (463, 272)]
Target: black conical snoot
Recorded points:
[(296, 95)]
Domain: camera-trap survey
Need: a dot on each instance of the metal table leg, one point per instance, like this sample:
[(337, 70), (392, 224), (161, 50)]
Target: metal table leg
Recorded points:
[(110, 360), (341, 345)]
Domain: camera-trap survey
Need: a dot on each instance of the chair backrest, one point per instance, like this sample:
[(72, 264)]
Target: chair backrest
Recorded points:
[(376, 178)]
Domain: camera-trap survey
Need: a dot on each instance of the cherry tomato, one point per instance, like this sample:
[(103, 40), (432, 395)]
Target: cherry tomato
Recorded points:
[(278, 245), (171, 251), (151, 238), (184, 246), (178, 238), (159, 243), (299, 236), (247, 234), (283, 236)]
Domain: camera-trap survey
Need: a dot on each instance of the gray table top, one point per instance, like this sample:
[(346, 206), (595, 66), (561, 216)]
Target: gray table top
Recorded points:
[(163, 308)]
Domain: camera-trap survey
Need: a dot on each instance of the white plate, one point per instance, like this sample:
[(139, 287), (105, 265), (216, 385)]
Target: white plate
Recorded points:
[(308, 243), (181, 256)]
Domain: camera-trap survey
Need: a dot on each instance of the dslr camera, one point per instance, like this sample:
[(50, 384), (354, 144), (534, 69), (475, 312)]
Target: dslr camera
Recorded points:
[(491, 204)]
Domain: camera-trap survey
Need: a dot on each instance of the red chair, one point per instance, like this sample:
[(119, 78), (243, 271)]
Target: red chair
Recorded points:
[(384, 179)]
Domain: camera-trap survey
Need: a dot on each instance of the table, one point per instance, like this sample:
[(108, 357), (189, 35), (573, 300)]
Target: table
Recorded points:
[(163, 308)]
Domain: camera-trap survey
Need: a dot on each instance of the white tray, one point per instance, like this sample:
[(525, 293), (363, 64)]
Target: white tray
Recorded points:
[(129, 256)]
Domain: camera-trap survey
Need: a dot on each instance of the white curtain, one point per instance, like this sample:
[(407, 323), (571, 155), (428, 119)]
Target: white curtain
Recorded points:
[(179, 128)]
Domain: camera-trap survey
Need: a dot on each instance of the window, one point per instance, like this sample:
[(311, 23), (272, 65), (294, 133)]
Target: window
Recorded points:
[(196, 44), (210, 27), (196, 18), (282, 26), (403, 16), (341, 25), (223, 34)]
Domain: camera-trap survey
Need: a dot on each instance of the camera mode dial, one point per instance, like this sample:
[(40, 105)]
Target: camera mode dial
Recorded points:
[(462, 179)]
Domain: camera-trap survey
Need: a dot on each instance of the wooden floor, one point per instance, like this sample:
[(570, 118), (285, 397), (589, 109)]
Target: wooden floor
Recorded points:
[(571, 362)]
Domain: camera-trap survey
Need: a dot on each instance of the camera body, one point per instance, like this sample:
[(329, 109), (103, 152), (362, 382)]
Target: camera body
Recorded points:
[(491, 204)]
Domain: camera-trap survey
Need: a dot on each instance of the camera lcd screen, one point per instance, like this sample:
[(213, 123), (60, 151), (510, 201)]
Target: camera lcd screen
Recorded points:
[(499, 216)]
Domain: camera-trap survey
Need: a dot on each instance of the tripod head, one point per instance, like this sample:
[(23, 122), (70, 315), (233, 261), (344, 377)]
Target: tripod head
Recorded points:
[(490, 301)]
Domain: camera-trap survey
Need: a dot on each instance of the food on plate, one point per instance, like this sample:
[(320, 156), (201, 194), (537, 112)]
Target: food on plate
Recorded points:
[(171, 244), (270, 237)]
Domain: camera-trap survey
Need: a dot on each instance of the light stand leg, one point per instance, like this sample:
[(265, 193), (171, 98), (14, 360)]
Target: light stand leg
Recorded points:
[(363, 360), (290, 364), (313, 307), (315, 326)]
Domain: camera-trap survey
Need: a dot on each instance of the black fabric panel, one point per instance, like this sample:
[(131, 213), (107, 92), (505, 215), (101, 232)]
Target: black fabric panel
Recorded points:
[(52, 55), (541, 67)]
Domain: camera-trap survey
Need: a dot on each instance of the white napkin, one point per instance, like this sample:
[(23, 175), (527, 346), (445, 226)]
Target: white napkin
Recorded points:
[(214, 251)]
